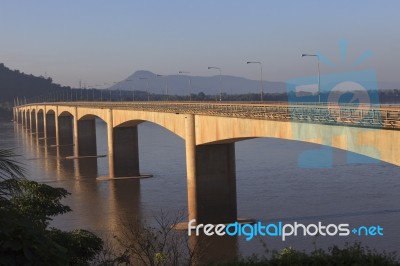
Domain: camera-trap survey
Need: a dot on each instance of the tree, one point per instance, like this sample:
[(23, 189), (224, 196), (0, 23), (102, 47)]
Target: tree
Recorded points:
[(10, 172), (25, 211)]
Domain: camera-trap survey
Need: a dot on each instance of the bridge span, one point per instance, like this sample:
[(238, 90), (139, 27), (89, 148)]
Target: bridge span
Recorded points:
[(210, 131)]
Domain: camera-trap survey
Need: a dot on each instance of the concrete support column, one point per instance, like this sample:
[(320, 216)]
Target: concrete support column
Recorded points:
[(37, 122), (30, 121), (57, 127), (76, 133), (33, 122), (86, 138), (110, 145), (26, 119), (50, 128), (190, 145), (126, 151), (216, 183), (40, 124), (65, 131), (45, 124)]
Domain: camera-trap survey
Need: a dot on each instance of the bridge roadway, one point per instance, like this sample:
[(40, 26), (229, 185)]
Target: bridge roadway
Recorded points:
[(210, 131), (370, 116)]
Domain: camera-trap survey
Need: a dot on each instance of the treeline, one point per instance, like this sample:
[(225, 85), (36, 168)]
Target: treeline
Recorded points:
[(15, 84)]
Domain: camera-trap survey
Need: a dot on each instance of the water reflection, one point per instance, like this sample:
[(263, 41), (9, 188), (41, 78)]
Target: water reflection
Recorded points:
[(86, 167)]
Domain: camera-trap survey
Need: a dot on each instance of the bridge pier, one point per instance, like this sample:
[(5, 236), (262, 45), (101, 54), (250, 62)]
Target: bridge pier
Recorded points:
[(216, 183), (211, 178), (39, 124), (28, 119), (21, 118), (126, 152), (64, 130), (86, 145), (25, 120), (32, 122), (50, 128)]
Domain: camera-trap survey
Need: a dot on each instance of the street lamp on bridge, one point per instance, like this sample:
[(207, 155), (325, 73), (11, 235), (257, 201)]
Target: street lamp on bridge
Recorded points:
[(261, 77), (319, 77), (190, 83), (220, 81), (166, 85), (147, 89)]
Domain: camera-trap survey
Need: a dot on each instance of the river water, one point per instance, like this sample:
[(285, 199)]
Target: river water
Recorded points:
[(271, 187)]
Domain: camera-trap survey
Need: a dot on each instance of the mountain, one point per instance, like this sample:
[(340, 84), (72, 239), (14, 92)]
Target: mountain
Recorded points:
[(179, 84), (14, 83)]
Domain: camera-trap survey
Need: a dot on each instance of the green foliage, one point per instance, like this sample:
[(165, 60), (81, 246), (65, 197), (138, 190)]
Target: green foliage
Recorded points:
[(82, 246), (354, 254), (26, 207), (10, 171), (39, 202), (21, 243)]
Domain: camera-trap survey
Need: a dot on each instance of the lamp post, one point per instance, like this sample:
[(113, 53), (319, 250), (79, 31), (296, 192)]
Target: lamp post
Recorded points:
[(133, 88), (190, 83), (101, 91), (319, 75), (220, 81), (147, 90), (166, 85), (119, 90), (261, 77)]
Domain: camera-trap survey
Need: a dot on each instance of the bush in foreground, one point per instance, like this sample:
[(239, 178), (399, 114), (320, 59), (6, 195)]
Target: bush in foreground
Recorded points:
[(26, 208), (351, 254)]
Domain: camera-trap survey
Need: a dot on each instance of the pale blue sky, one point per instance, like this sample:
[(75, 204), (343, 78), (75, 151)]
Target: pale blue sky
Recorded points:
[(99, 41)]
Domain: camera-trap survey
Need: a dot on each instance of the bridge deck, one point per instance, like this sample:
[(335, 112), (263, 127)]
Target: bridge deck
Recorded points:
[(386, 116)]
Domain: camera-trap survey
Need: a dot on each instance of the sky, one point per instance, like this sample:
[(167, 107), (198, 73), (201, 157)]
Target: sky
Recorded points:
[(98, 41)]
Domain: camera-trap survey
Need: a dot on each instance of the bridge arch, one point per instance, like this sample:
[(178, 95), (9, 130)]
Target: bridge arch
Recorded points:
[(171, 121), (89, 113), (40, 110), (136, 122), (50, 110), (374, 143), (91, 117)]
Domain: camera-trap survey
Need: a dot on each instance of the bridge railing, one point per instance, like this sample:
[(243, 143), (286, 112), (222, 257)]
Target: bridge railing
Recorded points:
[(360, 115)]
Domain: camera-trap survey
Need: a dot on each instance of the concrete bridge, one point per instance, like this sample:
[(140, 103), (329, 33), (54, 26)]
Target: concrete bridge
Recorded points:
[(210, 131)]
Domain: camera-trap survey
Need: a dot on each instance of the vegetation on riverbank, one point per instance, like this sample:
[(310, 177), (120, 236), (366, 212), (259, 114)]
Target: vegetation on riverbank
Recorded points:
[(26, 207), (351, 254)]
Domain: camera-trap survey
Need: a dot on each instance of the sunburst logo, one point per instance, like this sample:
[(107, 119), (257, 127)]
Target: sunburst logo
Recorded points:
[(341, 91)]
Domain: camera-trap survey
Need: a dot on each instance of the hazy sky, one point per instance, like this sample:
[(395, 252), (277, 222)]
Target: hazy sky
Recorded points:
[(100, 41)]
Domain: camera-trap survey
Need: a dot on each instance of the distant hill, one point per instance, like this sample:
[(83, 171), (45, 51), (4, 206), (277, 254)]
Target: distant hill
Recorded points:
[(14, 83), (179, 84)]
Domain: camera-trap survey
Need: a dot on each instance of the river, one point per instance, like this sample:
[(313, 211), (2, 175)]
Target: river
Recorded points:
[(271, 187)]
